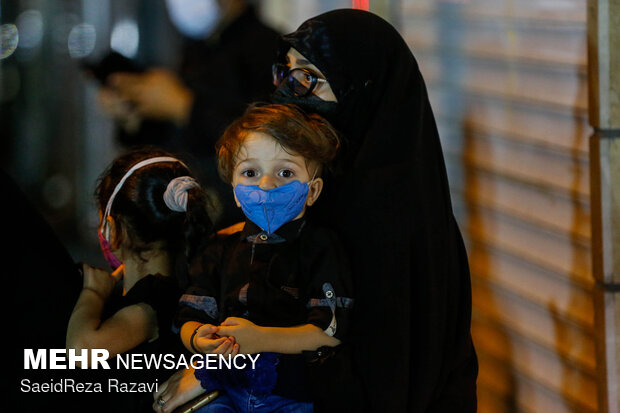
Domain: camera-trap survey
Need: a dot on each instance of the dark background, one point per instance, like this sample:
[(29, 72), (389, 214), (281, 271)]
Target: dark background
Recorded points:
[(55, 140)]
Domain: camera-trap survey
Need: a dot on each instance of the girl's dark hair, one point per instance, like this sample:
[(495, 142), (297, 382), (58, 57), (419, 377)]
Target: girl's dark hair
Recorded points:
[(140, 208), (306, 134)]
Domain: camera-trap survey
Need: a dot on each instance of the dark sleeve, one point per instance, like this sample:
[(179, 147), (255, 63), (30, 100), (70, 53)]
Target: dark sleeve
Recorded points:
[(328, 288), (199, 301), (161, 293), (42, 282)]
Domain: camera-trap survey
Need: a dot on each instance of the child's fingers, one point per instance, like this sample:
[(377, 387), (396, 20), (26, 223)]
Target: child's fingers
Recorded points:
[(235, 350), (206, 345), (224, 348), (217, 342), (231, 321), (227, 352), (225, 331), (207, 330)]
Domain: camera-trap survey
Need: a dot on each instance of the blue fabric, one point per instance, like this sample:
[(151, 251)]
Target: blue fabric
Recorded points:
[(260, 380), (238, 400), (199, 302), (248, 390), (273, 208)]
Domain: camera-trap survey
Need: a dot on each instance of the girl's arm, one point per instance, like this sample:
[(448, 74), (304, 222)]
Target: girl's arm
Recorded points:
[(287, 340), (125, 330)]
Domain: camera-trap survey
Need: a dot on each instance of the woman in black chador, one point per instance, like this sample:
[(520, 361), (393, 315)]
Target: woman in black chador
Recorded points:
[(388, 199)]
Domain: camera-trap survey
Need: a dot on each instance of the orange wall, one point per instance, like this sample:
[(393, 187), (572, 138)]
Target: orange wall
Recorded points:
[(507, 81)]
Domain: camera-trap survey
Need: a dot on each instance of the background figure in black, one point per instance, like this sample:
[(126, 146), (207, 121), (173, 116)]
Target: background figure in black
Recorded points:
[(389, 202), (41, 285), (225, 65)]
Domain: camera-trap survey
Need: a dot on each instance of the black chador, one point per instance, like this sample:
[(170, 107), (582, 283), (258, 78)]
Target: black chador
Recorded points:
[(389, 202)]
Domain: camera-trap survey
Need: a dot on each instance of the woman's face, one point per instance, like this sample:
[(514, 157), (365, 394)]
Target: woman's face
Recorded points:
[(323, 90)]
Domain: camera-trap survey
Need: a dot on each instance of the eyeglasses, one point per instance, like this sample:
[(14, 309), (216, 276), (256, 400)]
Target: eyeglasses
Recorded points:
[(301, 81)]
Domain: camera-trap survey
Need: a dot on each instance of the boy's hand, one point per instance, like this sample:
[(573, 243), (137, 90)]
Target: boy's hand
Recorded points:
[(246, 333), (207, 341)]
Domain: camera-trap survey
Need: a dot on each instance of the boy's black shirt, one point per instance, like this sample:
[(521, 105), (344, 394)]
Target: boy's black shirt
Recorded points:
[(280, 280)]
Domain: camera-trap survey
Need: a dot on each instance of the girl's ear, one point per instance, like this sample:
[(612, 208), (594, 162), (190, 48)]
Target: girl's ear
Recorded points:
[(314, 190)]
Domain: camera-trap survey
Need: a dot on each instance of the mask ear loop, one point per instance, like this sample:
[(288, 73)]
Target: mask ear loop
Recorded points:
[(108, 208), (308, 183), (313, 176)]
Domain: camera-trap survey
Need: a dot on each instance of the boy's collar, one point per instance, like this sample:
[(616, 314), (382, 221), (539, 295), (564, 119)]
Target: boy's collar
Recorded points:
[(287, 232)]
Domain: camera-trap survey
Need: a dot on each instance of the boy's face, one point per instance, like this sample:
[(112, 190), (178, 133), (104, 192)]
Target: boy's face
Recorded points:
[(263, 162)]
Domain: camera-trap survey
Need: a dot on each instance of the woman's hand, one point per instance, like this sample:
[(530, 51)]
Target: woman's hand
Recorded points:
[(246, 333), (100, 281), (207, 341), (180, 388)]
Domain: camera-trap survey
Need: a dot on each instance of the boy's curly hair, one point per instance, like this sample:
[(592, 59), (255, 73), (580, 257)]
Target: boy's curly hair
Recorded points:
[(298, 132)]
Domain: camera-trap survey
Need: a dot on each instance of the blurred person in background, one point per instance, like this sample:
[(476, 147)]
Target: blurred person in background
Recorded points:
[(42, 287), (225, 65)]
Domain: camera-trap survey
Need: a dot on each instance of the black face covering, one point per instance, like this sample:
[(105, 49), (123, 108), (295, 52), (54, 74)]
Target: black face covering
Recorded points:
[(392, 210), (311, 103)]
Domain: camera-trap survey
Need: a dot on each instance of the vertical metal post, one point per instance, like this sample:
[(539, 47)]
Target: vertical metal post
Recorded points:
[(604, 114)]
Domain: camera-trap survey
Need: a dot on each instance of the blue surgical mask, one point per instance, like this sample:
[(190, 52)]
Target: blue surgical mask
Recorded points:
[(194, 18), (273, 208)]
